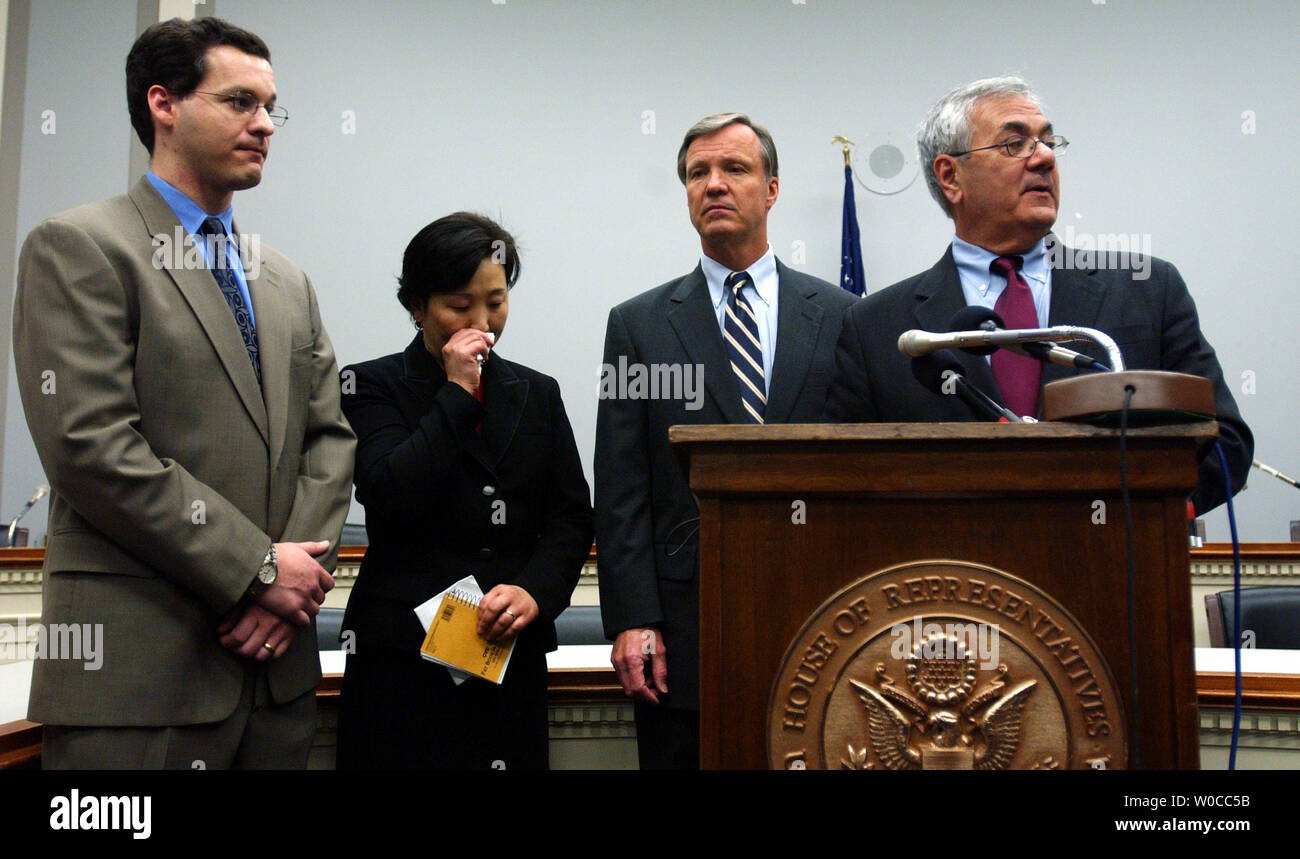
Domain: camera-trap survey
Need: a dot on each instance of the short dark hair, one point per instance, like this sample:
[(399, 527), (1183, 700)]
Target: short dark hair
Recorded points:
[(719, 121), (444, 256), (172, 55)]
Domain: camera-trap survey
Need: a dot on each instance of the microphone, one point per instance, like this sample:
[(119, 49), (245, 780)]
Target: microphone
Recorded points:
[(1268, 469), (31, 502), (940, 371), (1064, 357), (975, 316), (915, 343)]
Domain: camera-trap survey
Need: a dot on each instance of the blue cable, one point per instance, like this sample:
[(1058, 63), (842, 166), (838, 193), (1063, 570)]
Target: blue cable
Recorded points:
[(1236, 610)]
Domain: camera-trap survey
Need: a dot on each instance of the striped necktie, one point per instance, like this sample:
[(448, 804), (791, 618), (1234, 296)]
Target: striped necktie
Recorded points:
[(740, 331), (219, 265)]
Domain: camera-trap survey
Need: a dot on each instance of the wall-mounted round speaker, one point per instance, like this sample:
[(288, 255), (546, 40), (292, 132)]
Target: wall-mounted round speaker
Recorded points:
[(890, 165)]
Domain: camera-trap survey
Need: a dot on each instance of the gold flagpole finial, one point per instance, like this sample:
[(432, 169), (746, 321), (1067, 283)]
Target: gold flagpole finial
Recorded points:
[(846, 143)]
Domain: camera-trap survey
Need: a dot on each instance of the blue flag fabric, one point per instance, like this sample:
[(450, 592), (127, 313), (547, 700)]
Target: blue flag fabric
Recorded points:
[(851, 276)]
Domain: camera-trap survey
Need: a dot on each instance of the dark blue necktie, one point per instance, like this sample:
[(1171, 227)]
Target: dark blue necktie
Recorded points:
[(214, 235), (740, 331)]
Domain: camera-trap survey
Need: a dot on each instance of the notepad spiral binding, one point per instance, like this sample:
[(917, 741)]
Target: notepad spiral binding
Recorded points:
[(464, 597)]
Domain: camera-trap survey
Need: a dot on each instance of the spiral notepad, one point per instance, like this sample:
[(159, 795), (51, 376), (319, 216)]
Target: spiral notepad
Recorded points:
[(453, 639)]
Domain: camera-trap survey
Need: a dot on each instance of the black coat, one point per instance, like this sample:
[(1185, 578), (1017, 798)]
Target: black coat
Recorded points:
[(442, 502)]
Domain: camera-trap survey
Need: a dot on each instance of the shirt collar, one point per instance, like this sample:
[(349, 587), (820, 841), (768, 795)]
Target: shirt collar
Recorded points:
[(188, 212), (973, 261), (762, 272)]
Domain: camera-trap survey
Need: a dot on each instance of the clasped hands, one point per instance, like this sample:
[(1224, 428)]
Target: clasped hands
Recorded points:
[(263, 628)]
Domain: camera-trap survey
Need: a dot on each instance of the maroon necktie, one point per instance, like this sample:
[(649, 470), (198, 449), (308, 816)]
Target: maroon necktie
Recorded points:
[(1016, 375)]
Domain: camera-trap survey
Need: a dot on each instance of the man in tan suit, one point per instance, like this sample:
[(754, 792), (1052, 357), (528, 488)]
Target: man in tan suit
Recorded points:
[(184, 400)]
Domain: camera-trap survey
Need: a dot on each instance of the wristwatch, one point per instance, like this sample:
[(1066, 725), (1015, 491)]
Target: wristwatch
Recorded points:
[(265, 574)]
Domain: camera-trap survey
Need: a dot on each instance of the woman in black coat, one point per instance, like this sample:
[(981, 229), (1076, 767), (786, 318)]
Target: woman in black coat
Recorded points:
[(466, 464)]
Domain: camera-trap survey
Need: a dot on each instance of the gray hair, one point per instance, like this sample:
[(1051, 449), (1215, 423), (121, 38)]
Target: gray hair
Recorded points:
[(946, 129), (710, 124)]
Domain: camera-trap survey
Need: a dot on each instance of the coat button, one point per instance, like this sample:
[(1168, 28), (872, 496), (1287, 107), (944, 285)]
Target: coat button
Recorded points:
[(489, 490), (485, 553)]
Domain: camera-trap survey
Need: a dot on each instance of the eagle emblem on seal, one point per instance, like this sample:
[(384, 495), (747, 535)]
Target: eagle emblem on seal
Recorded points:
[(944, 722)]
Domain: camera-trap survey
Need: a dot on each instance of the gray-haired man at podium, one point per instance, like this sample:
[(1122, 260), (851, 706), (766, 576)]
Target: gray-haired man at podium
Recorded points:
[(990, 160)]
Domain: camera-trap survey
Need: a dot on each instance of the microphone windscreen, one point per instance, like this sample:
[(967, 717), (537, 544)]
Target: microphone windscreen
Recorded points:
[(929, 369), (912, 342), (974, 317)]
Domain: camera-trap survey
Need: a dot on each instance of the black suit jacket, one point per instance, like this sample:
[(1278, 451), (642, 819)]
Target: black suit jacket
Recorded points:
[(646, 517), (1153, 320), (442, 502)]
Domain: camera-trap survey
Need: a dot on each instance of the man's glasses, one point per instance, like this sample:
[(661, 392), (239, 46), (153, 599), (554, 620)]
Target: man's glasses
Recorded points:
[(245, 105), (1022, 146)]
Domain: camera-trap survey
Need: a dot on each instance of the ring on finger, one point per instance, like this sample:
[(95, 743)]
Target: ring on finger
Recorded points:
[(512, 614), (268, 646)]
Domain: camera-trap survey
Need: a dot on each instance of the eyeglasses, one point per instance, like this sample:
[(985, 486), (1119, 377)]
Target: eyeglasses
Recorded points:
[(245, 105), (1022, 146)]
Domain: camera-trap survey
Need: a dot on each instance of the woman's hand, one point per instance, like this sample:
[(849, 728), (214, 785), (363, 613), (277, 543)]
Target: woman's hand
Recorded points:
[(504, 612), (461, 353)]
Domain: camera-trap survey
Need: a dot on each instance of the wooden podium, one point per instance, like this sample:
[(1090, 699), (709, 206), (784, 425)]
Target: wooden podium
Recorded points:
[(789, 515)]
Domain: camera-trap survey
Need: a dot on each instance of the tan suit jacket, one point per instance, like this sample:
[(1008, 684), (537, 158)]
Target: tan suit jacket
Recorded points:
[(171, 471)]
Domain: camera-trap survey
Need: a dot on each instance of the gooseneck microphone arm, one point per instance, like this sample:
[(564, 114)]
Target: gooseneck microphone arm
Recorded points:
[(915, 342)]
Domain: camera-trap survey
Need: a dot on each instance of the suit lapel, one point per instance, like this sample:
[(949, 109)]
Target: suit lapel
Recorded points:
[(204, 297), (504, 395), (273, 343), (798, 324), (938, 297), (1076, 300), (692, 318), (420, 374)]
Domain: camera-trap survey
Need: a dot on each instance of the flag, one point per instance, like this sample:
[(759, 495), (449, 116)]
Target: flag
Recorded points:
[(851, 276)]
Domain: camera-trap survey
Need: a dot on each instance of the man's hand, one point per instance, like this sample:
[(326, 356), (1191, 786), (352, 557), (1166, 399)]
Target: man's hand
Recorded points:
[(505, 611), (255, 633), (632, 650), (300, 582)]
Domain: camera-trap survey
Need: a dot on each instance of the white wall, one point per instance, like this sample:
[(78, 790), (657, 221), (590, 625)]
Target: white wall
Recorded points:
[(535, 113), (4, 32), (74, 148)]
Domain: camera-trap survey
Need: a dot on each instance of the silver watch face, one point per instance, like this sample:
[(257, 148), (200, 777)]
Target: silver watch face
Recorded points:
[(266, 575)]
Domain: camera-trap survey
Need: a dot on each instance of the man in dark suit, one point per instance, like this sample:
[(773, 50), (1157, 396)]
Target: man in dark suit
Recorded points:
[(183, 398), (990, 158), (751, 342)]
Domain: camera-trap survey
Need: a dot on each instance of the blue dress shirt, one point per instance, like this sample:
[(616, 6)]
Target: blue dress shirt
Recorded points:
[(191, 218)]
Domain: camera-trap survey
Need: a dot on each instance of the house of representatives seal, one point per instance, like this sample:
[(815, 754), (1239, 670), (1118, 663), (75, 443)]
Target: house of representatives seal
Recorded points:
[(944, 665)]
